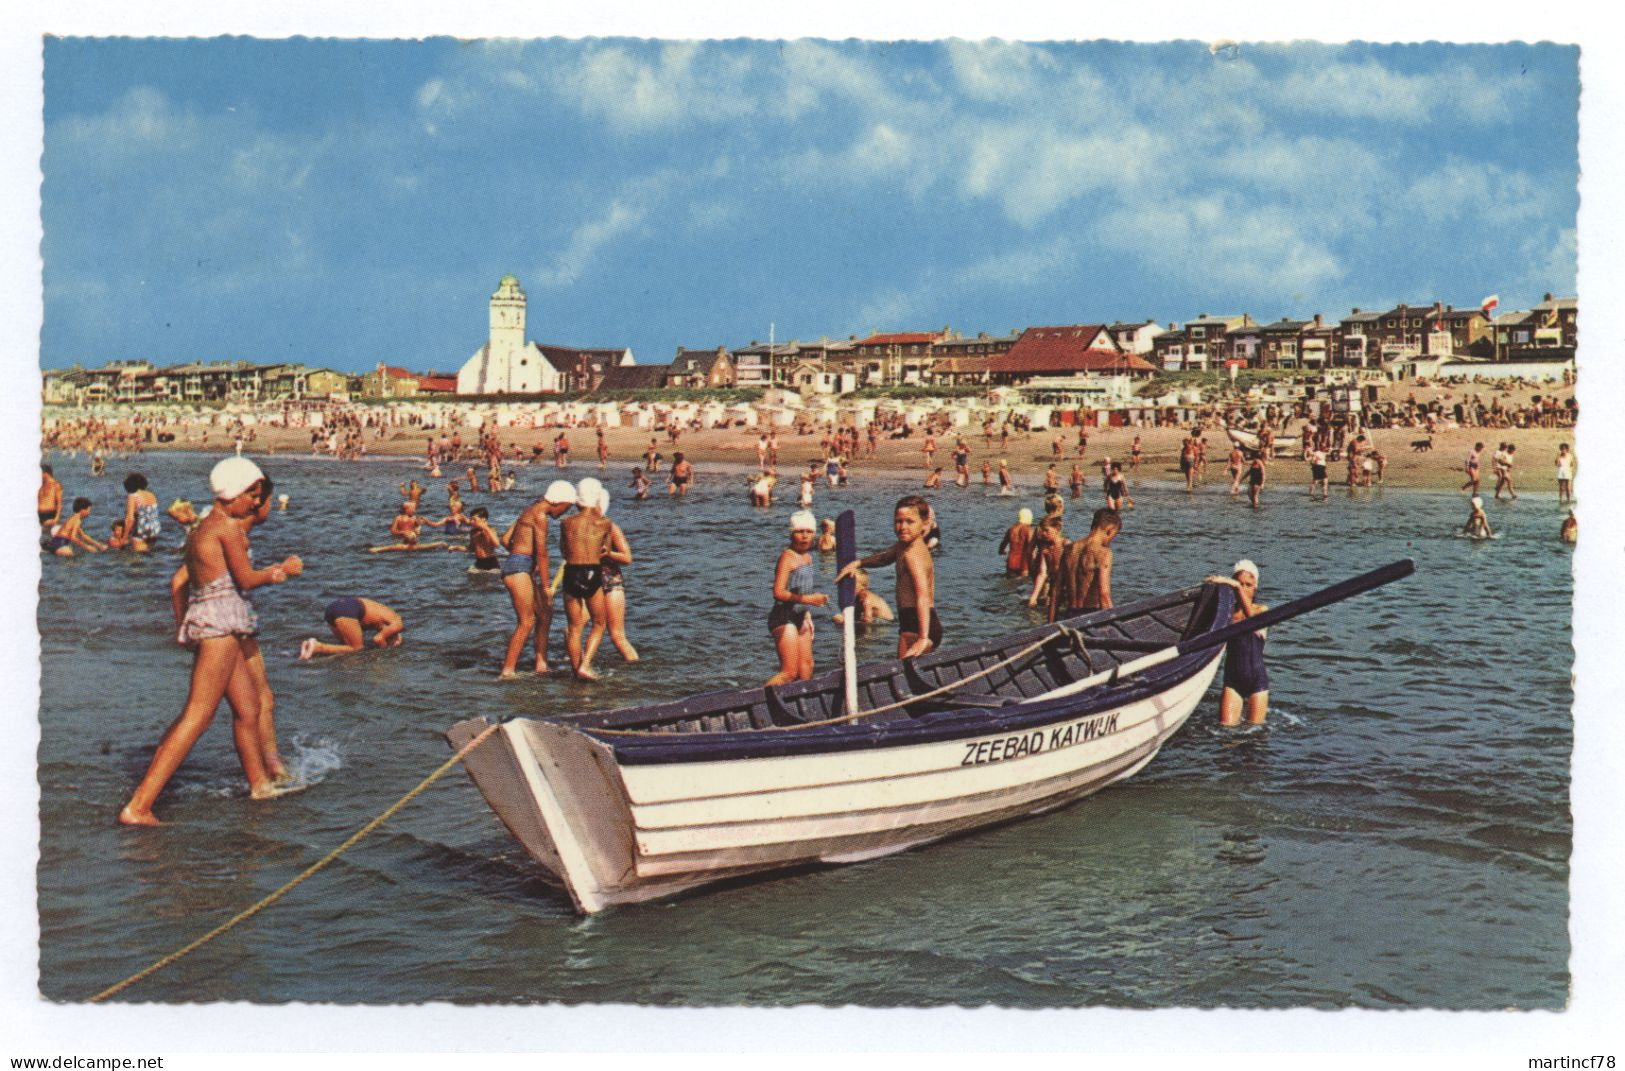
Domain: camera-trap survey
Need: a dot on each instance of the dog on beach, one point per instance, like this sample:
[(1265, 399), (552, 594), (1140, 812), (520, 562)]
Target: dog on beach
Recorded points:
[(1420, 446)]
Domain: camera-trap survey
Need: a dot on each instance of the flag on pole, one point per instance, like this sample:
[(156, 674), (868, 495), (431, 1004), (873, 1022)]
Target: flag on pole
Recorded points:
[(1488, 304)]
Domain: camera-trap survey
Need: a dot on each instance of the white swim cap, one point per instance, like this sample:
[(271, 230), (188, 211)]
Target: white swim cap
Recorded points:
[(1478, 503), (803, 521), (560, 491), (603, 500), (232, 477), (1024, 515), (587, 492), (1244, 566)]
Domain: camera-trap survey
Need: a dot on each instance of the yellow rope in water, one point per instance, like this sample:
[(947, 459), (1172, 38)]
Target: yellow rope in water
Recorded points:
[(328, 858)]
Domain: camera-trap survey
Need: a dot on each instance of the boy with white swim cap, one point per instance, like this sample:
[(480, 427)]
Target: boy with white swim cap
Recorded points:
[(525, 572)]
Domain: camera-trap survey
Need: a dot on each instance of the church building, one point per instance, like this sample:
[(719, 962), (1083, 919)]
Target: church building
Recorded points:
[(507, 364)]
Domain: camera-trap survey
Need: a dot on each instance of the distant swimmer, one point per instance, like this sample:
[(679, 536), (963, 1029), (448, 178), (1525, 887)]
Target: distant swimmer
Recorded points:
[(406, 527), (349, 617), (1017, 545), (1255, 480), (761, 488), (1570, 532), (1565, 474), (1246, 681), (826, 536), (142, 526), (640, 484), (218, 625), (1478, 524), (483, 542), (682, 475), (1117, 497), (790, 620), (1006, 484)]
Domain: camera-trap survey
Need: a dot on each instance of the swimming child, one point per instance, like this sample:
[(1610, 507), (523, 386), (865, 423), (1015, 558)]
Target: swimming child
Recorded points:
[(60, 539), (616, 555), (790, 622), (349, 617), (918, 623), (826, 536), (482, 542), (1570, 532), (640, 484), (870, 607)]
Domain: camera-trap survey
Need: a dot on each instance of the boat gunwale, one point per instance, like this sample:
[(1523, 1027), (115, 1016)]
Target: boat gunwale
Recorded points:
[(653, 747)]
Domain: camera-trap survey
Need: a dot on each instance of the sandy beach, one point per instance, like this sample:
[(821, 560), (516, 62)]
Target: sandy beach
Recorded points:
[(1028, 455)]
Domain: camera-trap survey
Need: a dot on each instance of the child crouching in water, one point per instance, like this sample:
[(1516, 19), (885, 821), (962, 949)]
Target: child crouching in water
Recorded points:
[(919, 629)]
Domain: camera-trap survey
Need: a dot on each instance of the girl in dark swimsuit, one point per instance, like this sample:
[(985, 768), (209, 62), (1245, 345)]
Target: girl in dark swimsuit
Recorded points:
[(1246, 681)]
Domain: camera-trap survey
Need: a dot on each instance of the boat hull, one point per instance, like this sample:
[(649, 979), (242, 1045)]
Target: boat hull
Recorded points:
[(615, 827)]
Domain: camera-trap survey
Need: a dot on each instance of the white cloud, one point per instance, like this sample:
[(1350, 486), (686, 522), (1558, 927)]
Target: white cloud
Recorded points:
[(1215, 243), (1369, 90), (1018, 267)]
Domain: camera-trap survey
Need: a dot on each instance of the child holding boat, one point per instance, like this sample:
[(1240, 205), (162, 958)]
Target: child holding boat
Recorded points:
[(919, 628)]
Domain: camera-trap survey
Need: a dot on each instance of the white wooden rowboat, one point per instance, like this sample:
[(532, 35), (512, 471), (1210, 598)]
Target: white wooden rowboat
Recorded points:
[(628, 805)]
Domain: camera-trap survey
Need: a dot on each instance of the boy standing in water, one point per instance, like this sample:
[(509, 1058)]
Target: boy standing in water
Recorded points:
[(219, 625), (919, 627), (524, 574), (1084, 579), (584, 539)]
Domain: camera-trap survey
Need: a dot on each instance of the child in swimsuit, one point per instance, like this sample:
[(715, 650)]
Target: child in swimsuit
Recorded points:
[(789, 622), (918, 623), (585, 536), (349, 617), (1246, 681)]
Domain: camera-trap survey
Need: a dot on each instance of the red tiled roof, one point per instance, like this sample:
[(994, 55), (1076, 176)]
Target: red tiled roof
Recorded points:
[(399, 373), (444, 384), (905, 339), (1069, 348)]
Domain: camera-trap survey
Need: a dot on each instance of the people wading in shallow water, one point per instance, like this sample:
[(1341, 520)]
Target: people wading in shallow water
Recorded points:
[(218, 625), (1246, 681), (919, 627)]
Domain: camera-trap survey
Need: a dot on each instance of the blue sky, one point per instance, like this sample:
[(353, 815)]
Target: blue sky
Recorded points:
[(343, 202)]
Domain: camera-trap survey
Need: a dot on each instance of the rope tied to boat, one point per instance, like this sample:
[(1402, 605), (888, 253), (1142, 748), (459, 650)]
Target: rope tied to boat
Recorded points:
[(355, 837), (1060, 630)]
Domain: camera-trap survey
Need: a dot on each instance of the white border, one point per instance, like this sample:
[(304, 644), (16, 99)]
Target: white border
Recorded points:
[(1591, 1025)]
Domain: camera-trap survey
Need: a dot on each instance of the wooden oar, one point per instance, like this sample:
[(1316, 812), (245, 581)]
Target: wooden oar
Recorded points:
[(846, 550), (1387, 574)]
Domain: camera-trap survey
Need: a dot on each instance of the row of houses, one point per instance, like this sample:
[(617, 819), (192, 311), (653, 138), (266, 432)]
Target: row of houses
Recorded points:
[(1403, 337)]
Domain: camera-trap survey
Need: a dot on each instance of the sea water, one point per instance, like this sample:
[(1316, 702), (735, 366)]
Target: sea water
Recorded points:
[(1397, 836)]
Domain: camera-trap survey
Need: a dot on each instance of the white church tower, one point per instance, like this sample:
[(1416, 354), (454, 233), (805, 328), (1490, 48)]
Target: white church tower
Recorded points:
[(506, 364)]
